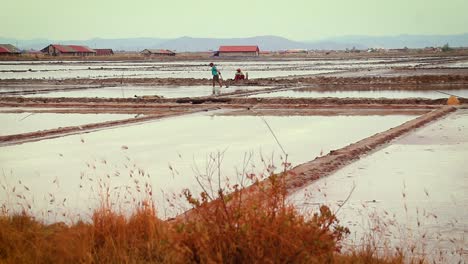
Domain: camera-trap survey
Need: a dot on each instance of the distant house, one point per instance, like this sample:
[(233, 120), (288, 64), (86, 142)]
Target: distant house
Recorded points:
[(405, 49), (295, 51), (432, 49), (9, 50), (157, 52), (239, 51), (104, 52), (68, 50)]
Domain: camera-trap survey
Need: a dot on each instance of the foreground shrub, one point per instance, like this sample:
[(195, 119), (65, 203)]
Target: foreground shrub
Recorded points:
[(257, 226)]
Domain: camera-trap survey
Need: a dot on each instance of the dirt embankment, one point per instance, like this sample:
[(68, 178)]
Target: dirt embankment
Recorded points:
[(416, 82), (278, 110), (148, 102), (359, 102)]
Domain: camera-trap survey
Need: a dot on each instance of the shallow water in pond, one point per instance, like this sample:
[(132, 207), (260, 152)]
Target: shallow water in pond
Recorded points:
[(17, 123), (420, 178), (124, 74), (366, 94), (459, 64), (70, 166), (164, 91), (191, 69)]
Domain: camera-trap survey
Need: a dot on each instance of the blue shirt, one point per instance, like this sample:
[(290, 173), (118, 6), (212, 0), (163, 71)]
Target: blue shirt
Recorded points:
[(214, 71)]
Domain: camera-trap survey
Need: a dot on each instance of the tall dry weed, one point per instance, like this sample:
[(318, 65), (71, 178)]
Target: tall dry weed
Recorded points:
[(255, 225)]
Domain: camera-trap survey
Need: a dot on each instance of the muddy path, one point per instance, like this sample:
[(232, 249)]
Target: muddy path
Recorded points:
[(149, 101), (277, 110), (230, 106)]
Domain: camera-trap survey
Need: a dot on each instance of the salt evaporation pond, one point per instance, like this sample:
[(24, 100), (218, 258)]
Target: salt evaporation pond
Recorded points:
[(68, 167), (420, 177), (124, 74), (136, 91), (189, 69), (19, 89), (430, 94), (17, 123), (459, 64)]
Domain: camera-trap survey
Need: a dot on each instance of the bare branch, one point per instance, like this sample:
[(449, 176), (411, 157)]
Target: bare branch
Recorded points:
[(347, 198)]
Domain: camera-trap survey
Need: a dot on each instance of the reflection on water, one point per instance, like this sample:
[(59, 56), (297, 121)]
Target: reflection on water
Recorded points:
[(417, 186), (183, 144)]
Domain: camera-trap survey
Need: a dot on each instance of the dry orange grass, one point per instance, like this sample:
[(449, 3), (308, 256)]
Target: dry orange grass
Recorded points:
[(230, 226)]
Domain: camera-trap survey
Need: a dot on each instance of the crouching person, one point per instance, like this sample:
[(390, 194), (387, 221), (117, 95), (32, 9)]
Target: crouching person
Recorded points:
[(239, 75)]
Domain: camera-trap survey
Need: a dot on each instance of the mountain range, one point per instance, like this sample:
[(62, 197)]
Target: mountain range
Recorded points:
[(271, 43)]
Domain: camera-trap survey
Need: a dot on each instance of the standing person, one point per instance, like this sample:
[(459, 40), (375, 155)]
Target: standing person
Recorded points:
[(215, 72)]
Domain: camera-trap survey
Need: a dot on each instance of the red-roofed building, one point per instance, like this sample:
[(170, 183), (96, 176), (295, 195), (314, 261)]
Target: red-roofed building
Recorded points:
[(8, 50), (239, 51), (104, 52), (68, 50), (81, 48), (157, 52)]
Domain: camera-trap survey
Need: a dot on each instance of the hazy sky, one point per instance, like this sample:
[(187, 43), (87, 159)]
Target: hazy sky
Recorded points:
[(294, 19)]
